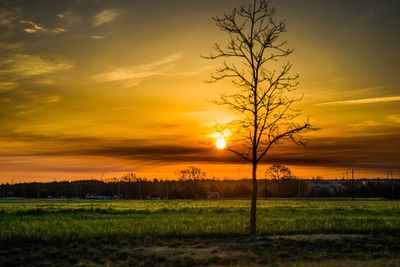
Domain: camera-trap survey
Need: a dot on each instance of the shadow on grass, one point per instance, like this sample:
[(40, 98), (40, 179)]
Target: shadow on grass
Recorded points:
[(199, 251)]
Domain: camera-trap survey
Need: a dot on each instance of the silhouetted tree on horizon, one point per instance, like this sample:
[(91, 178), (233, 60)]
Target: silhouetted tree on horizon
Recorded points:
[(191, 175), (267, 113), (277, 171), (287, 184)]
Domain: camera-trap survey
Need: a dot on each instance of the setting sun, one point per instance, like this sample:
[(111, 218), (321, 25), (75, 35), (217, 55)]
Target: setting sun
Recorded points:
[(220, 143)]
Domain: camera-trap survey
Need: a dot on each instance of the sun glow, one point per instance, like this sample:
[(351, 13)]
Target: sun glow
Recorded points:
[(220, 143)]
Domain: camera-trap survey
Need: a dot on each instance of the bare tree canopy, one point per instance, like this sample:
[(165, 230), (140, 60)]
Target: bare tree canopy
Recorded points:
[(191, 173), (251, 57), (279, 172)]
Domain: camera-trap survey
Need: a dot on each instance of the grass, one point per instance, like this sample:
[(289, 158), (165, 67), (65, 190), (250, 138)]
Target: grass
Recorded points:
[(187, 233)]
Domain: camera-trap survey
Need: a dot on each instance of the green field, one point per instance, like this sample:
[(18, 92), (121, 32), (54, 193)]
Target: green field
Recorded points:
[(187, 233)]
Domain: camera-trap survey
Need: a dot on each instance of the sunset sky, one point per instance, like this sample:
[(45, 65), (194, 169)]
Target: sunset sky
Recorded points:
[(92, 87)]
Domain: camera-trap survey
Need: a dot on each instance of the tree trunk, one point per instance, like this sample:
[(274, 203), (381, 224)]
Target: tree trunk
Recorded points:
[(253, 209)]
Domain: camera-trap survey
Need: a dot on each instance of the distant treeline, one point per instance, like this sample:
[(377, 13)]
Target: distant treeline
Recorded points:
[(138, 188)]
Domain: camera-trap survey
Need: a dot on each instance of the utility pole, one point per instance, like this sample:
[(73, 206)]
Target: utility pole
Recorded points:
[(76, 190), (352, 184)]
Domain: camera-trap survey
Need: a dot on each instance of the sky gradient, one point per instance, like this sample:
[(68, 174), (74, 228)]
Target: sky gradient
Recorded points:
[(93, 87)]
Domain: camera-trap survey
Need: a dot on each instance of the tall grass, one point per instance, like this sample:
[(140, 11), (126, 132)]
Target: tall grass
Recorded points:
[(50, 220)]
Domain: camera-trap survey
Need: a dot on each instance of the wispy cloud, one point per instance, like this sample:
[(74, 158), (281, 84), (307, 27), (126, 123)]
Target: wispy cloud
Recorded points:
[(52, 99), (69, 19), (357, 151), (105, 16), (10, 46), (7, 85), (393, 118), (362, 101), (32, 27), (135, 74), (58, 30), (7, 19), (363, 124), (13, 18), (35, 103), (32, 65), (97, 37)]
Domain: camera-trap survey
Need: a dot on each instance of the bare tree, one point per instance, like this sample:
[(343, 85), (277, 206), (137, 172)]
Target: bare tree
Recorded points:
[(283, 175), (191, 175), (267, 113), (279, 172)]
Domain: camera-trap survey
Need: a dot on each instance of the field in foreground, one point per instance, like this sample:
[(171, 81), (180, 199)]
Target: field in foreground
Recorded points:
[(190, 233)]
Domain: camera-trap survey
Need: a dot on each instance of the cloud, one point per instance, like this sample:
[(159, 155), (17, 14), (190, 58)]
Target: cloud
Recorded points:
[(393, 118), (135, 74), (32, 27), (52, 99), (7, 85), (10, 46), (58, 30), (368, 123), (69, 19), (35, 28), (35, 103), (5, 100), (372, 152), (363, 101), (97, 37), (32, 65), (105, 16), (7, 19), (366, 152)]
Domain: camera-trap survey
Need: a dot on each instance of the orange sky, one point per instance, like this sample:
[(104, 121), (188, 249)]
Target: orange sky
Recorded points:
[(92, 87)]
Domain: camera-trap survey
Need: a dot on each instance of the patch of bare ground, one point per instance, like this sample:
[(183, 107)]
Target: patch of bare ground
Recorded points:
[(282, 250)]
